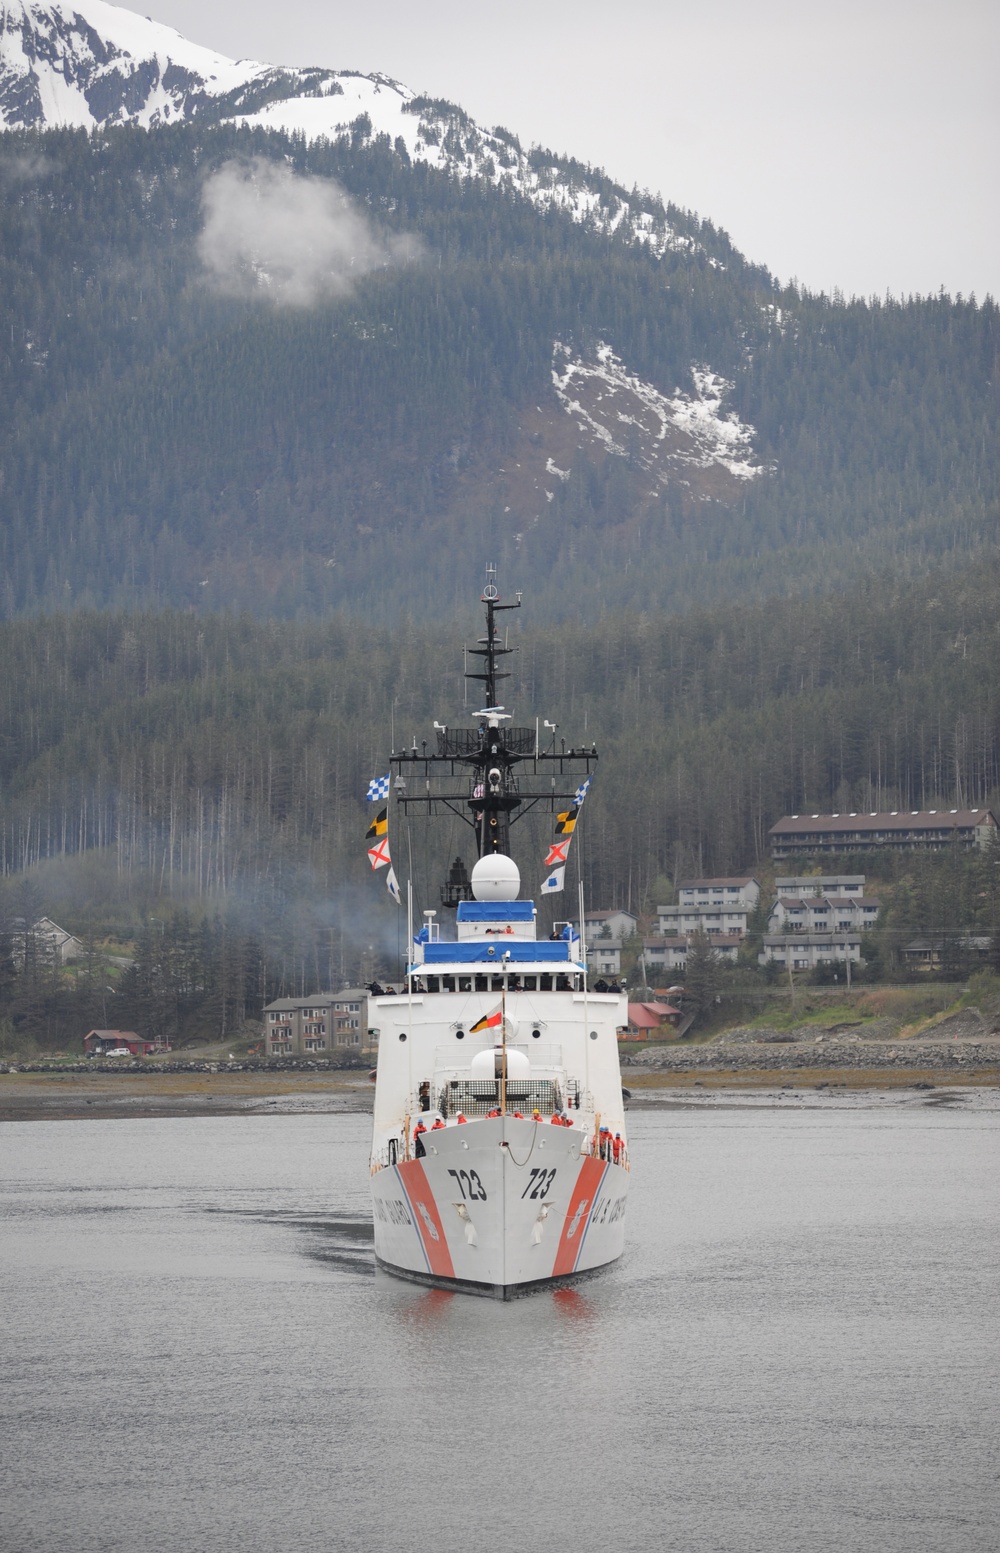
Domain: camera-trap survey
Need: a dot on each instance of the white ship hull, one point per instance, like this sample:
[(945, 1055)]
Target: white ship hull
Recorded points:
[(500, 1207), (499, 1158)]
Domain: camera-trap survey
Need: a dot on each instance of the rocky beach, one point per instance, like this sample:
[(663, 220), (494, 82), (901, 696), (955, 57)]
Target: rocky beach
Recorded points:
[(962, 1050)]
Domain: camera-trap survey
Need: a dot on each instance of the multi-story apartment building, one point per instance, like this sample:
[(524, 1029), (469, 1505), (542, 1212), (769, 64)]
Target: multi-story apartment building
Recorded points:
[(801, 834), (315, 1025), (820, 884), (609, 926), (604, 958), (670, 952), (823, 913), (807, 950), (606, 931), (718, 907), (742, 891), (713, 920)]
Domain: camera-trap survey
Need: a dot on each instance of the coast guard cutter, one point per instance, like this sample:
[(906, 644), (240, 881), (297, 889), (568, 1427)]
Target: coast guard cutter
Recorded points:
[(499, 1157)]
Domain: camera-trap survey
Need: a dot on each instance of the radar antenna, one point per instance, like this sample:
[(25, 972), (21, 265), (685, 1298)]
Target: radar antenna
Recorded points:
[(491, 775)]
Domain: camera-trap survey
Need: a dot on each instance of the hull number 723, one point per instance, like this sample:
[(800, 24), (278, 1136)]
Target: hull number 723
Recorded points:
[(539, 1184), (469, 1179)]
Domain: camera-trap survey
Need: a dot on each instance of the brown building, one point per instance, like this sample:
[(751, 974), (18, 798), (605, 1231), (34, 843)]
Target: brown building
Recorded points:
[(311, 1026), (799, 835)]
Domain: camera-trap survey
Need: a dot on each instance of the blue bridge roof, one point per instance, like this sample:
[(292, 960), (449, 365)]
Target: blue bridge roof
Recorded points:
[(496, 911), (479, 951)]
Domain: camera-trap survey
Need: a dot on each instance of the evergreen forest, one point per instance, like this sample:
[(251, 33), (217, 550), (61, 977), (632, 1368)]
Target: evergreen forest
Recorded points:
[(162, 444), (243, 544)]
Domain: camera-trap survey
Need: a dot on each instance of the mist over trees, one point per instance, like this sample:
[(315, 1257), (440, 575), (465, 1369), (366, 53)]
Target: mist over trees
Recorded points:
[(206, 756)]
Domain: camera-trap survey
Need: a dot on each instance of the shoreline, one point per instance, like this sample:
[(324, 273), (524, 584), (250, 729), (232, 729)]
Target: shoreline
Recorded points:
[(73, 1096)]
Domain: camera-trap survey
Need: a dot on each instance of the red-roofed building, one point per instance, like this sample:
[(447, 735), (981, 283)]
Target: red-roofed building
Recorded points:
[(645, 1019), (98, 1043)]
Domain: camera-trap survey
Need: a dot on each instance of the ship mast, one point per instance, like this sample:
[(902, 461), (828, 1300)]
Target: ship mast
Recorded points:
[(494, 774), (496, 791)]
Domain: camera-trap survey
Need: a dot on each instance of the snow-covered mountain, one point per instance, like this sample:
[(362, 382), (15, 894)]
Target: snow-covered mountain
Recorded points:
[(92, 65)]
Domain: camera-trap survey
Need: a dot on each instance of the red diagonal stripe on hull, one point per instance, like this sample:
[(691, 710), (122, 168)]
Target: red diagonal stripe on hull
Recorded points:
[(430, 1229), (581, 1206)]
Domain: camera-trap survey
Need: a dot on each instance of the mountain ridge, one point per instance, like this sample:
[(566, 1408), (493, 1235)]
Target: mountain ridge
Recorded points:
[(251, 367), (59, 69)]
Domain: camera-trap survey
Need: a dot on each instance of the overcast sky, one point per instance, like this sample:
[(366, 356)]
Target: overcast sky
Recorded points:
[(849, 145)]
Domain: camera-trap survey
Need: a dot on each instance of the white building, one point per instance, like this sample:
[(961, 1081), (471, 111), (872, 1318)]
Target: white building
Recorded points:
[(710, 906), (807, 950), (742, 891), (48, 940), (713, 920), (670, 952), (609, 926), (604, 959), (823, 913), (718, 907), (821, 884)]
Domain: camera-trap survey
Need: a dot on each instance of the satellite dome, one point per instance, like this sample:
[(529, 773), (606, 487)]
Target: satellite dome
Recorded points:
[(487, 1064), (496, 878)]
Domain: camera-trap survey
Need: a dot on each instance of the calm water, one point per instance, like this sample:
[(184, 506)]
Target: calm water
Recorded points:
[(798, 1352)]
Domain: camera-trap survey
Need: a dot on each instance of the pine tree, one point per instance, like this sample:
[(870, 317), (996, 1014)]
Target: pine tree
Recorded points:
[(702, 974)]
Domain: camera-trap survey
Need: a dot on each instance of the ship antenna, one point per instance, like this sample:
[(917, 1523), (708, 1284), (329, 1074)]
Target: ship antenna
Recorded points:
[(494, 794), (503, 1031)]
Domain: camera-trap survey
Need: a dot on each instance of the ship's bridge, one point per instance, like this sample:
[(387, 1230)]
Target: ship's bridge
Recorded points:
[(491, 919), (496, 930)]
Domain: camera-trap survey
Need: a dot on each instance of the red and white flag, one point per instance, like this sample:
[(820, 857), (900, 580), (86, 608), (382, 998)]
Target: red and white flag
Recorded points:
[(378, 855)]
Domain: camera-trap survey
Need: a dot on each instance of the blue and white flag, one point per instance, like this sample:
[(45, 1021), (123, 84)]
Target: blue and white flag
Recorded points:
[(392, 885), (555, 881), (581, 791), (378, 788)]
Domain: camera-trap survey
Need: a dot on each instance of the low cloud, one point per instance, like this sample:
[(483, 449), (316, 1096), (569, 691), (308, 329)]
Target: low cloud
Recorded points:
[(295, 240), (25, 167)]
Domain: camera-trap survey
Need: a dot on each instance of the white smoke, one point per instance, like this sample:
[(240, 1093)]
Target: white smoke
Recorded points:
[(294, 239)]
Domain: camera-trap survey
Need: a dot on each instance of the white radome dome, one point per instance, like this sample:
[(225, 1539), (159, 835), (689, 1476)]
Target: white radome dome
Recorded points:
[(487, 1064), (496, 878)]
